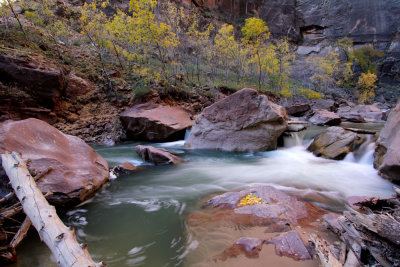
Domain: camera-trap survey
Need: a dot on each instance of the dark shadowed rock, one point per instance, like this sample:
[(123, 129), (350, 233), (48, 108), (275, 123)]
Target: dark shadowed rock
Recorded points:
[(326, 104), (324, 117), (387, 153), (243, 121), (298, 110), (66, 165), (153, 122), (157, 156), (45, 85), (335, 143), (291, 245), (124, 168)]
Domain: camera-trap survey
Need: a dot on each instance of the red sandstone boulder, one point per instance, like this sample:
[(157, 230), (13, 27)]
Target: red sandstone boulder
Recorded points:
[(157, 156), (66, 165), (243, 121), (153, 122)]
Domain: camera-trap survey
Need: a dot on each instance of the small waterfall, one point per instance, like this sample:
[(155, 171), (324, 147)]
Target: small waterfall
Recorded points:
[(350, 157), (368, 157), (187, 133)]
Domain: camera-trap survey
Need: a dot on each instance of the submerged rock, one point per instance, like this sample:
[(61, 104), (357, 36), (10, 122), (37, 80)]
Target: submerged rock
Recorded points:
[(153, 122), (324, 117), (243, 121), (62, 164), (157, 156), (387, 153), (249, 246), (291, 245), (335, 143), (124, 168)]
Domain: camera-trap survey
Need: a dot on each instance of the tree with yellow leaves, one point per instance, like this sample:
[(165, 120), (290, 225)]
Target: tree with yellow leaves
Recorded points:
[(230, 53), (255, 34), (366, 86)]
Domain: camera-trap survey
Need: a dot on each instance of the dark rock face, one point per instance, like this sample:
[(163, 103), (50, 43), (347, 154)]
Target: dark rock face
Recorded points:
[(335, 143), (46, 86), (364, 21), (157, 156), (298, 110), (243, 121), (66, 165), (324, 117), (387, 153), (153, 122)]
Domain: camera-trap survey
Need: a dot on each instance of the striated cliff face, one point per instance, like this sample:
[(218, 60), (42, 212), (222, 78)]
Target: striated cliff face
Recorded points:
[(364, 21)]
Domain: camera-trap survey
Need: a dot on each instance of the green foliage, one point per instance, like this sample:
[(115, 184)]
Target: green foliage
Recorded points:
[(367, 58)]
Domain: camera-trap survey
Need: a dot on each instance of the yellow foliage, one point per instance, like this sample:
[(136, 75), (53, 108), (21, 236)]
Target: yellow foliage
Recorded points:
[(366, 86), (285, 92), (251, 199), (310, 94)]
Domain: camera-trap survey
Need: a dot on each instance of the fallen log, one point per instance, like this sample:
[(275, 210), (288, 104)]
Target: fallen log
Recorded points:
[(60, 239), (324, 253)]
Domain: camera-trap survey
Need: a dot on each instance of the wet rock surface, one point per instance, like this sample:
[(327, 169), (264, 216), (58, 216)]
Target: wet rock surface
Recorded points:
[(157, 156), (62, 164), (154, 122), (387, 153), (243, 121), (335, 143)]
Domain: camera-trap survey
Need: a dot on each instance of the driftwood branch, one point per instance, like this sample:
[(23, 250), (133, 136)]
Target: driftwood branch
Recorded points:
[(60, 239), (324, 253)]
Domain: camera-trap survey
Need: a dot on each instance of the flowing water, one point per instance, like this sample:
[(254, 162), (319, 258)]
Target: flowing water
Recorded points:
[(139, 219)]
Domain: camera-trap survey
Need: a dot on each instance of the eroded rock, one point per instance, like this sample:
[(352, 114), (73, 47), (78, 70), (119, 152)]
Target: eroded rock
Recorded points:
[(157, 156), (361, 113), (153, 122), (63, 164), (243, 121)]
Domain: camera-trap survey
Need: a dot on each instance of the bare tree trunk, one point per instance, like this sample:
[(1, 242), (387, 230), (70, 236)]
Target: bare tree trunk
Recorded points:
[(19, 22), (60, 239)]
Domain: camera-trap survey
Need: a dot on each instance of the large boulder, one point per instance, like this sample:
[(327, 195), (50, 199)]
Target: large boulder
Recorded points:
[(243, 121), (68, 168), (335, 143), (153, 122), (324, 117), (298, 109), (157, 156), (387, 153)]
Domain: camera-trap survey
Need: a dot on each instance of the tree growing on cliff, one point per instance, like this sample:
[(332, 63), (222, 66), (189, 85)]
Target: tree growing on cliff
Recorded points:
[(255, 34)]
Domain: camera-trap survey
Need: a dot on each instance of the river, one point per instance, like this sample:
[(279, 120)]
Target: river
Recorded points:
[(139, 219)]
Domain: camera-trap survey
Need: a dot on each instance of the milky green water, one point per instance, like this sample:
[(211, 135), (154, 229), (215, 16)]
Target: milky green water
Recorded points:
[(139, 219)]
